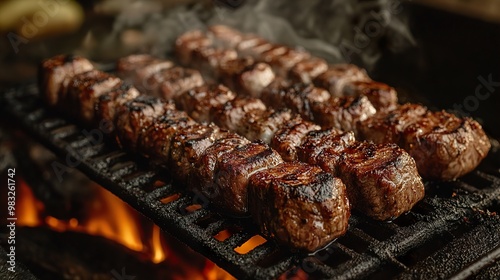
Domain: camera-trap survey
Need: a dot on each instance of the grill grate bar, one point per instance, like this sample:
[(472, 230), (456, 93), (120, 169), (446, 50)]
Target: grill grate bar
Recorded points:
[(369, 247)]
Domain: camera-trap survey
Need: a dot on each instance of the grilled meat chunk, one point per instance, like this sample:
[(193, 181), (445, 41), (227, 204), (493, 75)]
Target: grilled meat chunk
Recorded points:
[(107, 104), (262, 125), (187, 43), (198, 101), (231, 115), (209, 59), (84, 91), (56, 73), (283, 63), (315, 142), (188, 144), (337, 76), (290, 136), (388, 127), (382, 180), (233, 171), (155, 142), (299, 204), (297, 97), (253, 46), (135, 116), (175, 81), (342, 112), (139, 69), (204, 175), (305, 71), (383, 97), (246, 76), (444, 146)]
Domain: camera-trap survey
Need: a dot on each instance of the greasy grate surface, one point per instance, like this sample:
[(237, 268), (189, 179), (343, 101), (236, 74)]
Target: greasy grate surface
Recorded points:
[(453, 232)]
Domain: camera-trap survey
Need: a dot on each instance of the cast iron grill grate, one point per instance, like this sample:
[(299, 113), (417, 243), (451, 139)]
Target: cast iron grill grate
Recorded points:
[(453, 233)]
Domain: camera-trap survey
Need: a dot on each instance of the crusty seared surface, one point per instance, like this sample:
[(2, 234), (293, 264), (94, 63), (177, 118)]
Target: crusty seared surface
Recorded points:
[(135, 116), (198, 101), (56, 73), (297, 97), (382, 96), (443, 145), (286, 140), (233, 171), (383, 179), (342, 112), (301, 205)]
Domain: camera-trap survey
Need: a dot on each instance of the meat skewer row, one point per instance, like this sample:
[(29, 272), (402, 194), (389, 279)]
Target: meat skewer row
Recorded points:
[(444, 146), (309, 206), (257, 79), (336, 152), (298, 66)]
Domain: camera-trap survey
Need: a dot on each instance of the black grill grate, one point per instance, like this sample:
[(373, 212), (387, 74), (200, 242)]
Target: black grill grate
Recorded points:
[(453, 232)]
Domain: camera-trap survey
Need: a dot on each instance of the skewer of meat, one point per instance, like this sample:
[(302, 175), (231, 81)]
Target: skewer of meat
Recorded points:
[(234, 166), (288, 133), (460, 143), (298, 66)]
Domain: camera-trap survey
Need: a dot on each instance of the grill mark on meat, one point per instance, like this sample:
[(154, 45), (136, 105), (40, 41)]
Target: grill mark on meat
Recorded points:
[(382, 96), (56, 73), (290, 136), (298, 204), (234, 170), (383, 179), (199, 101), (84, 91), (135, 116), (443, 145), (296, 97), (342, 112)]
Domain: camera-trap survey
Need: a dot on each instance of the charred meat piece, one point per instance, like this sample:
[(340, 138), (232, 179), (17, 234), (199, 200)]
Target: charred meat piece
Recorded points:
[(444, 146), (233, 171), (290, 136), (135, 116), (262, 125), (253, 46), (246, 76), (198, 101), (230, 116), (315, 142), (388, 127), (188, 144), (56, 73), (138, 69), (282, 64), (306, 70), (382, 180), (383, 97), (297, 97), (337, 76), (173, 81), (84, 91), (209, 59), (155, 142), (107, 104), (204, 176), (299, 205), (187, 43), (342, 112), (224, 36)]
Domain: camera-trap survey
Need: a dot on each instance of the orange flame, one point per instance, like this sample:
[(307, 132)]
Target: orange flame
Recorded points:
[(110, 217)]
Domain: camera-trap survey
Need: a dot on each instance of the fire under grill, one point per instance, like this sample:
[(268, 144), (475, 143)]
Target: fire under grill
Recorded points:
[(453, 233)]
